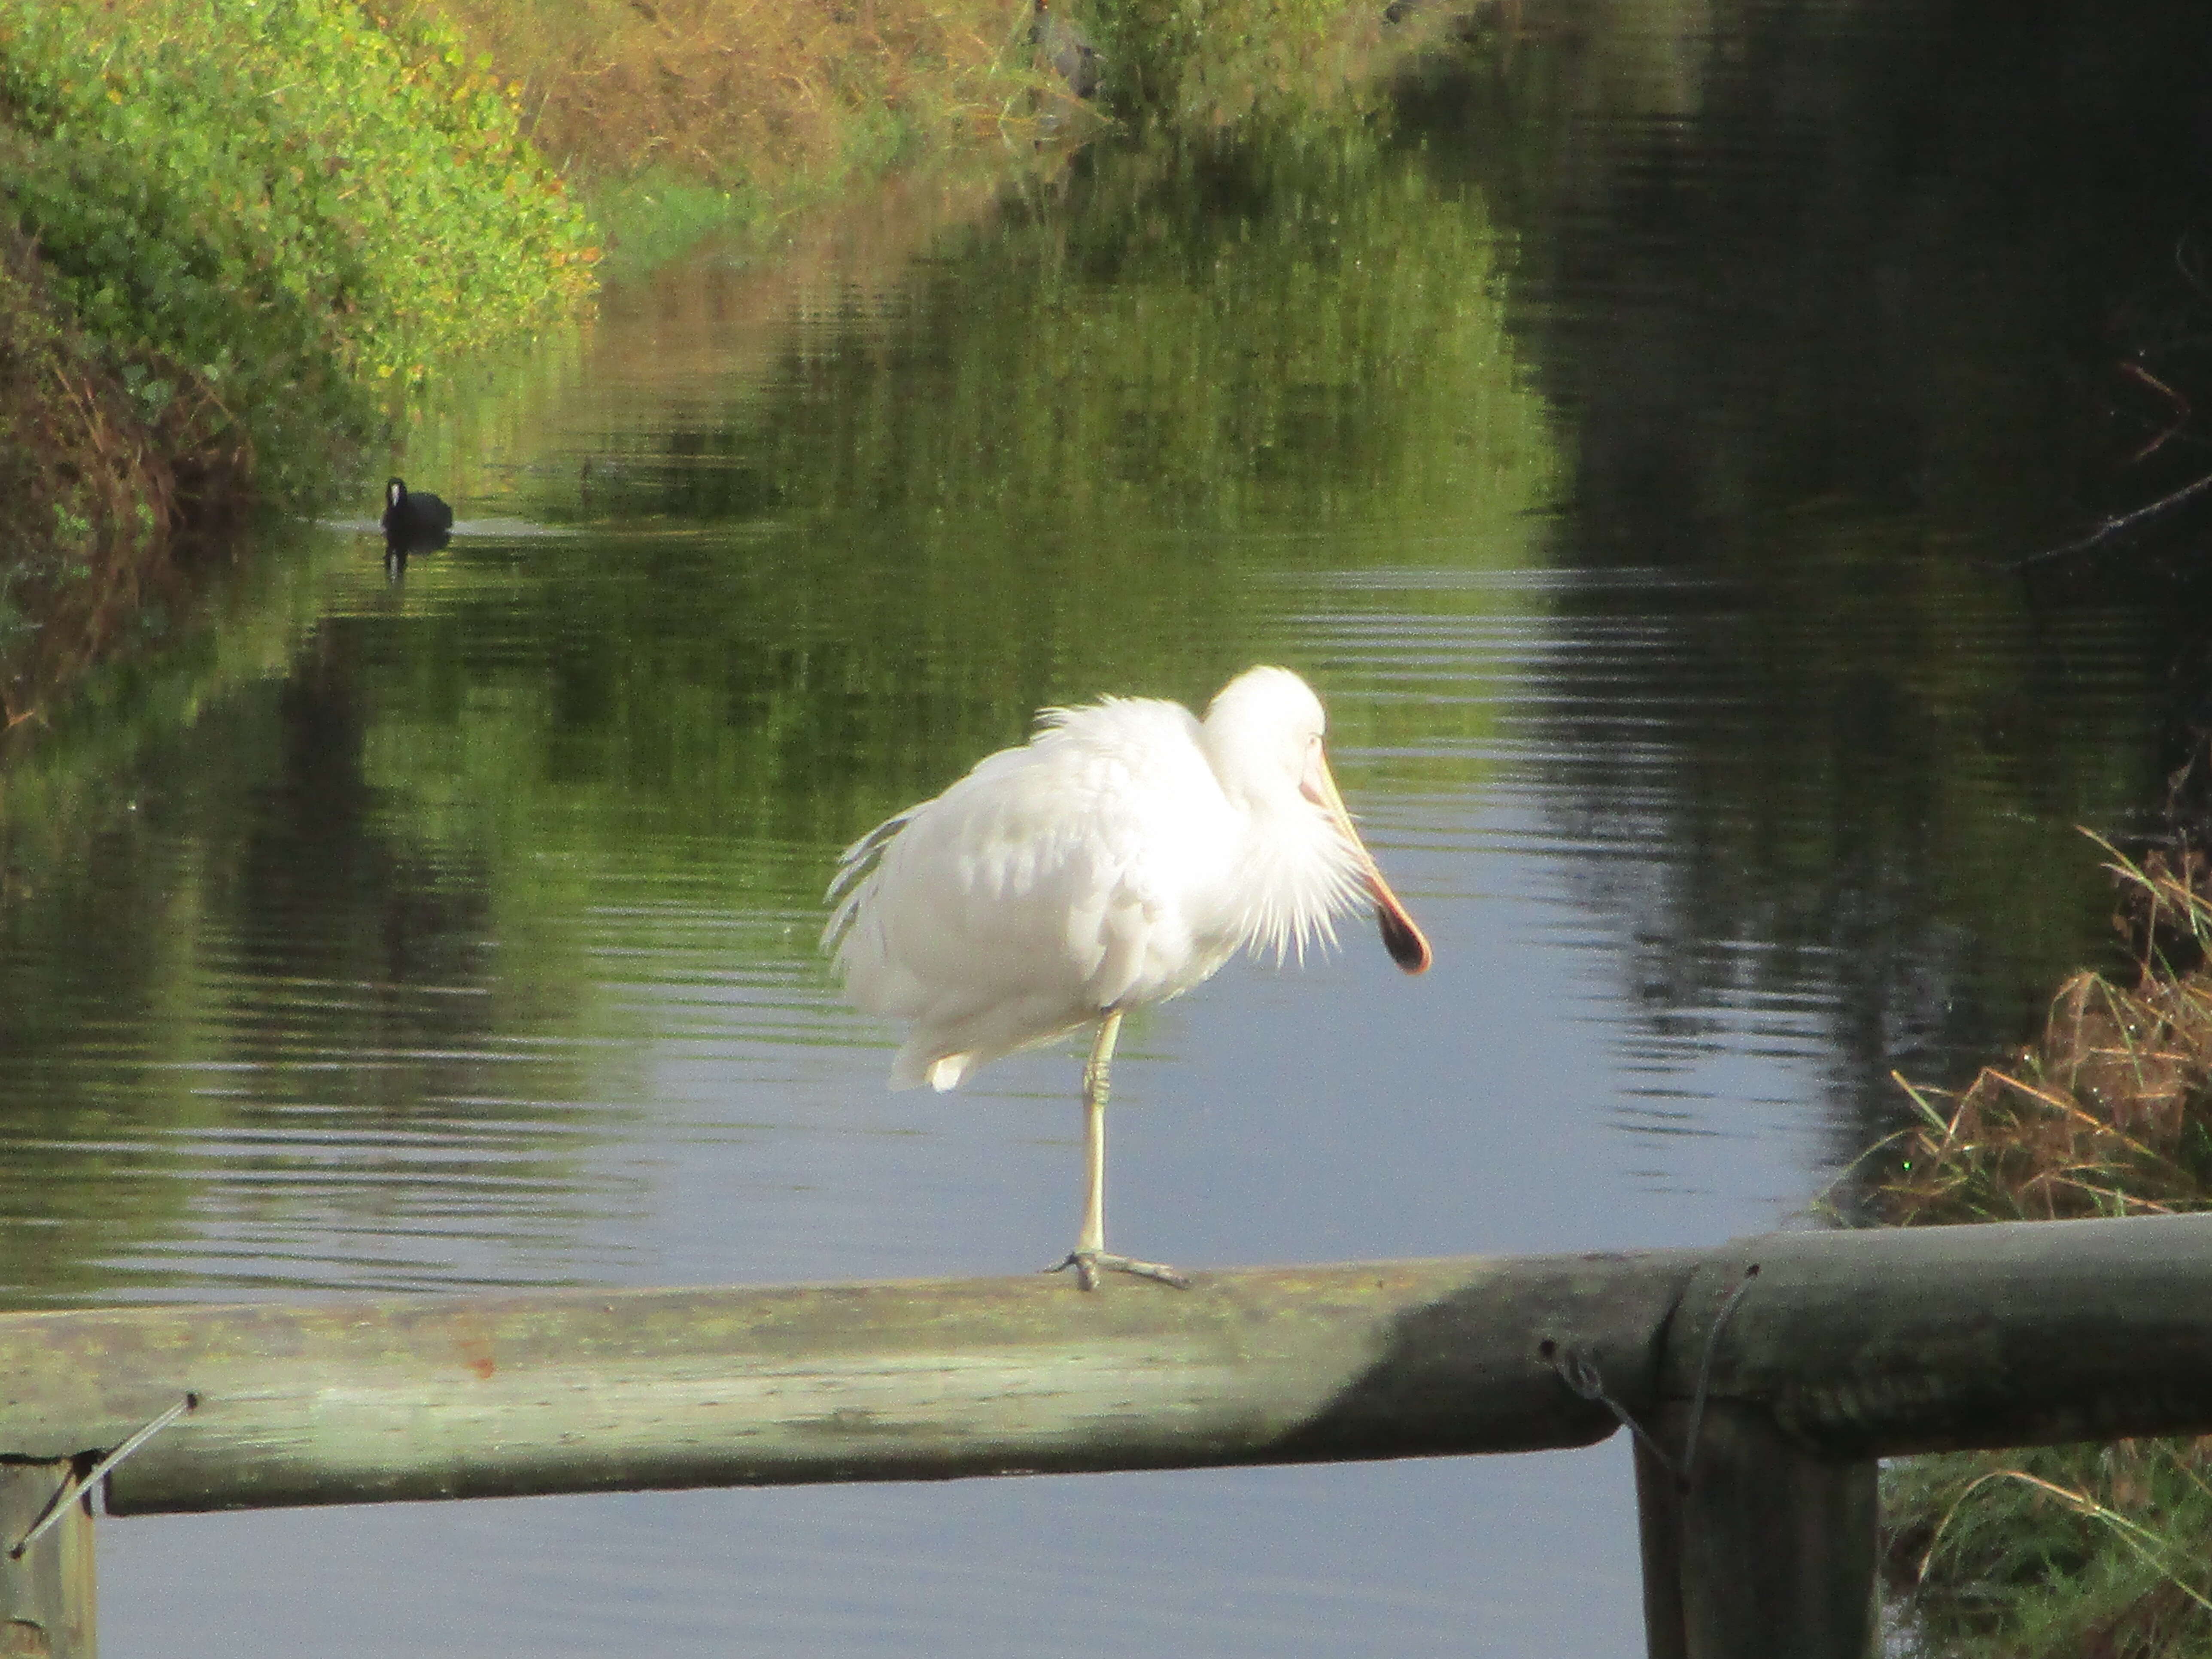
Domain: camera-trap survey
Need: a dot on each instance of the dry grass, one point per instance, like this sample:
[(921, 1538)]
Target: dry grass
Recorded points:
[(2109, 1112), (737, 91)]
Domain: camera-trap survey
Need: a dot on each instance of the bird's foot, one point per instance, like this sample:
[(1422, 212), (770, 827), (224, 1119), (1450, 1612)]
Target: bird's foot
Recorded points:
[(1089, 1264)]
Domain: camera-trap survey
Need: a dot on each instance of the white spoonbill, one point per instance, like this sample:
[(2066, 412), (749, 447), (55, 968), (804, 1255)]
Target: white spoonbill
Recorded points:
[(1118, 858)]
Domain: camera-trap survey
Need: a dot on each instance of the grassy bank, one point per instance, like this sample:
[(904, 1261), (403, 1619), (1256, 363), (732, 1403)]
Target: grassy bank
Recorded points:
[(2083, 1549), (675, 115)]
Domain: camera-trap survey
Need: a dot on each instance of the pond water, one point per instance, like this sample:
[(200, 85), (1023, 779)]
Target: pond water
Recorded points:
[(1626, 431)]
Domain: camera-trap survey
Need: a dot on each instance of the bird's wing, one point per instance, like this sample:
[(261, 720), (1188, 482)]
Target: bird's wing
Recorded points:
[(1048, 885)]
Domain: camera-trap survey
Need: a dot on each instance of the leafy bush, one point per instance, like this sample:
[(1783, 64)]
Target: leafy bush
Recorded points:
[(279, 202), (89, 491)]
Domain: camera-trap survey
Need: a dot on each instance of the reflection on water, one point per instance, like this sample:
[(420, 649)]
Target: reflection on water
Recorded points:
[(458, 930)]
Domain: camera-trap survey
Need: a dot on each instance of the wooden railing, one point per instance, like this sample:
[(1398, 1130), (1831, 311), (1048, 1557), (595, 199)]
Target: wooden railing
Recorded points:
[(1762, 1379)]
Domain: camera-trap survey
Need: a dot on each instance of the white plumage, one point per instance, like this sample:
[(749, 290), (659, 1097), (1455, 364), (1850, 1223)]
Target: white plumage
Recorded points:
[(1119, 858)]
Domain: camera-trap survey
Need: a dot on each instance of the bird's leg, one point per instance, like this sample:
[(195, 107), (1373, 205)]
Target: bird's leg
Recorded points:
[(1091, 1239), (1090, 1255)]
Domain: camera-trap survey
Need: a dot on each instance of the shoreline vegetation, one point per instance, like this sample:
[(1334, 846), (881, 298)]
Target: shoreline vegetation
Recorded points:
[(246, 237), (241, 232), (2053, 1552)]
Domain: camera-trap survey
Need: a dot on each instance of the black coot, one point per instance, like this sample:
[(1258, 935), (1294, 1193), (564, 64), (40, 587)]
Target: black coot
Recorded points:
[(415, 520)]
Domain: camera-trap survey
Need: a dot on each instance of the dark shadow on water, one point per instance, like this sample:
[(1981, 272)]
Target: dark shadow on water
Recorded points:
[(1835, 303)]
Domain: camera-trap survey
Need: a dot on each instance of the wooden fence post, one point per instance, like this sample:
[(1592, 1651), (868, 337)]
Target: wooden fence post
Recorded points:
[(47, 1596), (1659, 1538), (1770, 1551)]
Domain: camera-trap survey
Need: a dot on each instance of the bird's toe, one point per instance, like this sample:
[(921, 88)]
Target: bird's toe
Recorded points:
[(1089, 1264)]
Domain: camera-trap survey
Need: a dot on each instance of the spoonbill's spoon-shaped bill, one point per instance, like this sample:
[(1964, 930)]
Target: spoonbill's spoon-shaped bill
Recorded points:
[(1116, 860)]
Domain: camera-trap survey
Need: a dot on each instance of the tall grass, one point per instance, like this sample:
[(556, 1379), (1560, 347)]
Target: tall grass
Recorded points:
[(2063, 1550), (2078, 1549)]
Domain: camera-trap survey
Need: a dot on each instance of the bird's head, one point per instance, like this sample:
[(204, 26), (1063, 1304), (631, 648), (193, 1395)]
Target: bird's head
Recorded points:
[(1264, 728), (1265, 731)]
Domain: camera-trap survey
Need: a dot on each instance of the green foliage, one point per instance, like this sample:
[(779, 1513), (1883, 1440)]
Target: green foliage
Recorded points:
[(87, 491), (280, 201)]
